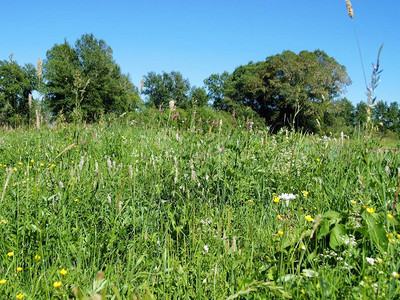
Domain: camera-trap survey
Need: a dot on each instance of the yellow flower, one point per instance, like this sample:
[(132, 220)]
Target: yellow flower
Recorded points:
[(32, 160), (390, 216), (371, 210), (37, 257), (250, 201), (279, 217), (10, 254), (280, 232), (20, 296), (318, 160), (276, 199), (63, 272), (3, 221), (305, 193), (353, 202), (398, 236), (19, 269), (309, 218), (395, 274), (42, 164), (52, 165), (57, 284), (3, 281), (76, 200), (20, 162), (274, 194)]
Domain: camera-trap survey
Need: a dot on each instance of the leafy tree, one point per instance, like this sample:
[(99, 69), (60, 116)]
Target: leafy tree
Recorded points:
[(198, 97), (360, 114), (289, 84), (16, 85), (215, 85), (162, 88), (86, 77)]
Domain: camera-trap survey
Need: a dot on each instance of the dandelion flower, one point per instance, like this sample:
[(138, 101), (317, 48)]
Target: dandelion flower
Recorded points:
[(19, 269), (318, 160), (3, 281), (57, 284), (390, 216), (305, 193), (37, 257), (280, 232), (250, 201), (353, 202), (20, 296), (309, 218), (63, 272), (32, 160), (370, 210), (10, 254), (279, 217), (3, 221)]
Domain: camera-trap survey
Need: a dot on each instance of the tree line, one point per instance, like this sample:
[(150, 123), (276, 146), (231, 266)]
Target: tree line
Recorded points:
[(83, 81)]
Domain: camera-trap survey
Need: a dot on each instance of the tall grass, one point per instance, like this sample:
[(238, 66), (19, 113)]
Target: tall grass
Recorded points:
[(136, 212)]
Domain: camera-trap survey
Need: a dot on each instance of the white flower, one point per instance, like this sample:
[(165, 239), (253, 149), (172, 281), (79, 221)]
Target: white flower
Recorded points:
[(205, 248), (287, 198), (370, 260)]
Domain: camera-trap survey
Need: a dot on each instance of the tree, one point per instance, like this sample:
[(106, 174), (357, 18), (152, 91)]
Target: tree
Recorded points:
[(162, 88), (198, 97), (16, 86), (215, 85), (86, 77), (288, 85)]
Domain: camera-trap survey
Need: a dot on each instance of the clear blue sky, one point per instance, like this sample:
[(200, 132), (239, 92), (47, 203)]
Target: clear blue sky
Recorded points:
[(198, 38)]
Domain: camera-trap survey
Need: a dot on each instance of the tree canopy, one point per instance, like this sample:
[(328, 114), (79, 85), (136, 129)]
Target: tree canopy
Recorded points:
[(87, 77), (16, 86), (283, 86)]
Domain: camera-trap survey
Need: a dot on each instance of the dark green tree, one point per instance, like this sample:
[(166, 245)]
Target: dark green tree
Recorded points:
[(87, 78), (198, 97), (16, 86), (215, 85), (162, 88), (289, 85)]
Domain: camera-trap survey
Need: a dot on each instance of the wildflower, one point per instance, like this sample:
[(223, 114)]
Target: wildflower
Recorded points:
[(57, 284), (395, 274), (318, 160), (3, 221), (19, 163), (63, 272), (52, 166), (309, 218), (37, 257), (76, 200), (370, 210), (280, 232), (20, 296), (205, 248), (353, 202), (398, 236), (175, 116), (287, 198), (42, 164), (276, 199), (19, 269), (250, 201), (390, 216), (370, 260), (10, 254), (305, 193), (279, 217), (3, 281), (32, 160)]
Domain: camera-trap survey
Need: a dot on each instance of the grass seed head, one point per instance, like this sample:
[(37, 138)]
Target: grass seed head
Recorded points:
[(349, 9)]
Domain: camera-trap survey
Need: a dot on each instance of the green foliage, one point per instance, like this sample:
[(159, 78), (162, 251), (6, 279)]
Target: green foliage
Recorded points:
[(86, 78), (16, 84), (135, 209), (162, 88)]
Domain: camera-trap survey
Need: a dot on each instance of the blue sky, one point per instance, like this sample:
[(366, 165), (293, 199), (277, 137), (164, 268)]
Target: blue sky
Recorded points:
[(199, 38)]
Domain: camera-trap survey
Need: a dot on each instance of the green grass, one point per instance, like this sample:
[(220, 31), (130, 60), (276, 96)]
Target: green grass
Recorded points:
[(143, 212)]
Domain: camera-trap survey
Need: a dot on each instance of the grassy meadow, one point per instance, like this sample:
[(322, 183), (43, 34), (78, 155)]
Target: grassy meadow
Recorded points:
[(124, 210)]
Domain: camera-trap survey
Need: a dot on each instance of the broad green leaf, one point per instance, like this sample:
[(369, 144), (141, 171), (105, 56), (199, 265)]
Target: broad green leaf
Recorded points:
[(375, 231), (336, 237)]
